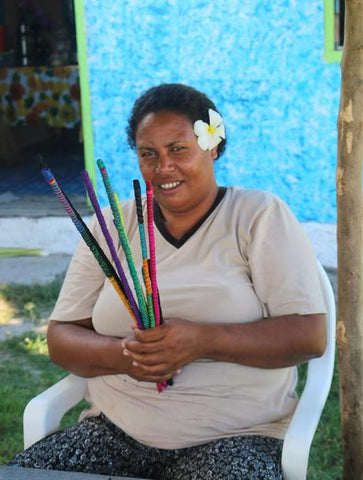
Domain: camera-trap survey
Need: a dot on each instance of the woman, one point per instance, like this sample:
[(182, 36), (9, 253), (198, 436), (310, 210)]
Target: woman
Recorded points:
[(242, 305)]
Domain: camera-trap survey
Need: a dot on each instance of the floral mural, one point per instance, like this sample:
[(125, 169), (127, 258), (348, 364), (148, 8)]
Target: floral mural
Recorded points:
[(40, 96)]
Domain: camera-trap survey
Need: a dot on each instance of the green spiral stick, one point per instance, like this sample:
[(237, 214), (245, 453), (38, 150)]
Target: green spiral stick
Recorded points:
[(117, 214)]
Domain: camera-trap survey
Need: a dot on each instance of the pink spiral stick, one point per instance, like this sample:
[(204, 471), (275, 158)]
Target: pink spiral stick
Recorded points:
[(150, 229)]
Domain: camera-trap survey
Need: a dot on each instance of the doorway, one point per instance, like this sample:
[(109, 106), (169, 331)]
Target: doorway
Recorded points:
[(40, 111)]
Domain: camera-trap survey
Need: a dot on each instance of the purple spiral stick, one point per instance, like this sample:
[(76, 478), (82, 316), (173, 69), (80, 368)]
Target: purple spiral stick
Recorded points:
[(111, 246)]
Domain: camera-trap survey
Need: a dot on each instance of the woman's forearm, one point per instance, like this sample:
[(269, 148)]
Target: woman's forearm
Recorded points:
[(270, 343), (77, 348)]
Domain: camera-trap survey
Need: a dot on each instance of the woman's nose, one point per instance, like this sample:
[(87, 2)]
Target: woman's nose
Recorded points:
[(165, 163)]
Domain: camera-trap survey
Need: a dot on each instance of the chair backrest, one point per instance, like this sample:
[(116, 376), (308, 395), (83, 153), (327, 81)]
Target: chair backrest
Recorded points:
[(299, 436)]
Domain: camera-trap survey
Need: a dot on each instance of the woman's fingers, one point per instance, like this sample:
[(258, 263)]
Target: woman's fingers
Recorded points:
[(158, 363), (154, 358), (156, 374), (150, 334)]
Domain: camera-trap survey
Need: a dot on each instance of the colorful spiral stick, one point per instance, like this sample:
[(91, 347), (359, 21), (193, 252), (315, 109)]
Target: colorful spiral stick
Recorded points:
[(89, 239), (132, 267), (145, 262), (149, 266), (150, 229), (117, 214), (154, 284), (96, 206)]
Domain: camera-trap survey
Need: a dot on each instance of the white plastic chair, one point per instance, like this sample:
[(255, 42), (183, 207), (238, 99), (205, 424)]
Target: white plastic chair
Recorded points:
[(43, 413), (301, 431)]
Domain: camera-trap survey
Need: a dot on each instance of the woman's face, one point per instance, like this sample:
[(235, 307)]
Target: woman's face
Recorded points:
[(182, 175)]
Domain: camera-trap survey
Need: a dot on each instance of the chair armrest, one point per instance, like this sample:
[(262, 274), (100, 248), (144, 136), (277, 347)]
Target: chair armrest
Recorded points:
[(43, 414), (301, 431)]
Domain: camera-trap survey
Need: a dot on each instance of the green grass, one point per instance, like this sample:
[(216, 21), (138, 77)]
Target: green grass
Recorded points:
[(25, 371), (25, 368), (30, 302), (326, 454)]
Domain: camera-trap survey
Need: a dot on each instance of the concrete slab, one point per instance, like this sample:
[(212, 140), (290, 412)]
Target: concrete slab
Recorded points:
[(58, 235), (16, 473), (57, 238), (52, 235), (30, 270), (14, 205), (323, 237)]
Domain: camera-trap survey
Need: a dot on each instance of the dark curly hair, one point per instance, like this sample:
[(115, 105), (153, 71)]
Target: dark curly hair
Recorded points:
[(174, 97)]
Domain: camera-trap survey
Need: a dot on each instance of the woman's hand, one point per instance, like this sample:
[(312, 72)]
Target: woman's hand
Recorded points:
[(158, 354), (152, 355)]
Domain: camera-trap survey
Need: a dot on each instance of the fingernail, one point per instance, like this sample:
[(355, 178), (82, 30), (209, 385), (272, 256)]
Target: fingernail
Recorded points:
[(135, 364), (178, 371), (125, 352)]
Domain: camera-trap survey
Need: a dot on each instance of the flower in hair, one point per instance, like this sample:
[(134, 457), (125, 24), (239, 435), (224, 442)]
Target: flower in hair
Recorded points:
[(210, 135)]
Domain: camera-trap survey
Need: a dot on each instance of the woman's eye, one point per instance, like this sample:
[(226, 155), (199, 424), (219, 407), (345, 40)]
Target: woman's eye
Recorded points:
[(177, 149), (147, 154)]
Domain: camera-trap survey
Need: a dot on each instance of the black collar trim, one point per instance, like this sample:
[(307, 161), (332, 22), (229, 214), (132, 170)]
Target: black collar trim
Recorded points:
[(160, 223)]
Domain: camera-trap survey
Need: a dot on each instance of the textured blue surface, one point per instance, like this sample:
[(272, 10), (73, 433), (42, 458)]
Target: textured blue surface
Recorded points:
[(261, 63)]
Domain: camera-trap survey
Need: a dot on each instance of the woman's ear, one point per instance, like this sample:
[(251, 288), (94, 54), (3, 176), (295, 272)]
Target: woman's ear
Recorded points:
[(214, 153)]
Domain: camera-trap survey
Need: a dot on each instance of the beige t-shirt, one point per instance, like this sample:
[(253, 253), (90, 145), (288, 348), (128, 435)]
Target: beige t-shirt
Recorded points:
[(249, 259)]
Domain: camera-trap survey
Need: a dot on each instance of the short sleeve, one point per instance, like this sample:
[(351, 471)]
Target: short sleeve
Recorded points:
[(283, 264), (83, 281)]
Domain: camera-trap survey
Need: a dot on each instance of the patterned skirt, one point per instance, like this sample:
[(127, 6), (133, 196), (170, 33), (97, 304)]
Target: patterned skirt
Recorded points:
[(96, 445)]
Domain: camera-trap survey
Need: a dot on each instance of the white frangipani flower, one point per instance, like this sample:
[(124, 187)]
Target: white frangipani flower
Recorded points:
[(209, 136)]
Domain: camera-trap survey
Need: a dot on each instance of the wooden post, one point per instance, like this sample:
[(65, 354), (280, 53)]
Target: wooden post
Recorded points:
[(350, 241)]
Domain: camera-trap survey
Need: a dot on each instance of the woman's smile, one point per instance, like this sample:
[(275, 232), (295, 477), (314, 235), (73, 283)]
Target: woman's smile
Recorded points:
[(170, 186)]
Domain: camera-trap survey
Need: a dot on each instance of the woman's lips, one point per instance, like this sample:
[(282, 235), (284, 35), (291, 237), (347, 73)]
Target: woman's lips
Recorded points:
[(169, 186)]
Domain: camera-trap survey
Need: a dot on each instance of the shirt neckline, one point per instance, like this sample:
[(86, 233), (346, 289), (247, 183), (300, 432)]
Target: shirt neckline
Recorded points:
[(177, 243)]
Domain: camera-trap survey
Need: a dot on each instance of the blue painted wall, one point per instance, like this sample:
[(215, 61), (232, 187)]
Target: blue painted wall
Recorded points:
[(262, 64)]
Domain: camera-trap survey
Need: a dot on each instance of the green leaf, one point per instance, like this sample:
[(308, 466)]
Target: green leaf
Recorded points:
[(19, 252)]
